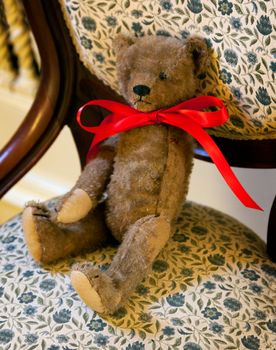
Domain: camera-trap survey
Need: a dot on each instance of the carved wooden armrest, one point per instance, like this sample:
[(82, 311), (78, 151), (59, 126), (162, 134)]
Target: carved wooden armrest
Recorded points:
[(46, 116)]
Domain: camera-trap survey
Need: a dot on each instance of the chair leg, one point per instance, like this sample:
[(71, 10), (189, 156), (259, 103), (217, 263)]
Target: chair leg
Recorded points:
[(271, 233)]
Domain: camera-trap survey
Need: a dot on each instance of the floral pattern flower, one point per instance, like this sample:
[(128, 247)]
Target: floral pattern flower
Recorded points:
[(232, 304), (255, 288), (212, 313), (168, 331), (209, 285), (142, 290), (264, 26), (231, 57), (272, 325), (216, 328), (250, 274), (251, 57), (237, 93), (192, 346), (137, 28), (48, 284), (101, 340), (235, 23), (259, 315), (216, 259), (160, 266), (251, 342), (27, 297), (120, 313), (8, 267), (225, 76), (53, 347), (176, 299), (166, 5), (28, 273), (9, 239), (111, 21), (86, 43), (62, 338), (222, 278), (96, 325), (263, 96), (225, 7), (240, 35), (62, 316), (29, 310), (136, 346), (6, 336), (31, 338), (195, 6), (89, 23), (273, 67)]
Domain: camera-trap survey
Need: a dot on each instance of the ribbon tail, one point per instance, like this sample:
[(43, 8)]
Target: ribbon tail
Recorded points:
[(215, 154)]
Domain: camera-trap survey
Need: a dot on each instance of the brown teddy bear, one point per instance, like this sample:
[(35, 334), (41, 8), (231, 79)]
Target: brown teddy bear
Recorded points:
[(144, 171)]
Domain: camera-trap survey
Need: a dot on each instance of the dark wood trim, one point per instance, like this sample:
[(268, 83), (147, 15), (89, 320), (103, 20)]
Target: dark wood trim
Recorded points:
[(49, 111), (40, 114), (271, 233), (259, 154)]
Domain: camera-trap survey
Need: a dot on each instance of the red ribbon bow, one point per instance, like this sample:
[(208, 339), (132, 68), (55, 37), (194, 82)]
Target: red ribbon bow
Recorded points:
[(186, 115)]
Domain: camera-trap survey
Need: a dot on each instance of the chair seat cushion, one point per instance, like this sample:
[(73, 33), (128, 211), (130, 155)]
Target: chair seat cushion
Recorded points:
[(242, 71), (212, 287)]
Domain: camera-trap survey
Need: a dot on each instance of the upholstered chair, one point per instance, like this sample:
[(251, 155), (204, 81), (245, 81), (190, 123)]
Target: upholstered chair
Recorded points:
[(214, 285)]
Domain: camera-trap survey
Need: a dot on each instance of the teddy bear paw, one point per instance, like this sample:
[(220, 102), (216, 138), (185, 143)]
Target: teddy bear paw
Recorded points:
[(75, 207), (95, 288)]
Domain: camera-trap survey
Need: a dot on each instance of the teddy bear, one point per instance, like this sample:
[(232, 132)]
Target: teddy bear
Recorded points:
[(144, 173)]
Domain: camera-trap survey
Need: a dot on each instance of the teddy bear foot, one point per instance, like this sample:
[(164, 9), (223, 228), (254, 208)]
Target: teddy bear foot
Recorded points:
[(49, 241), (95, 288), (31, 212)]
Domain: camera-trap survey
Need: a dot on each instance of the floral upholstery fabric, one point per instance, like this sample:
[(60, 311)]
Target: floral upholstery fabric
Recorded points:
[(243, 64), (212, 287)]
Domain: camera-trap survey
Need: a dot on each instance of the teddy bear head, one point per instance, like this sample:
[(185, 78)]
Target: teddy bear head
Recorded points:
[(156, 71)]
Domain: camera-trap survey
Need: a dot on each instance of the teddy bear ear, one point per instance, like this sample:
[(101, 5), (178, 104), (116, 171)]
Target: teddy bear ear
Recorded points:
[(121, 42), (197, 48)]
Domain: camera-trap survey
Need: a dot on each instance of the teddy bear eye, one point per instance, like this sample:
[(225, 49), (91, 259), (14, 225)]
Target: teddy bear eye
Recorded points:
[(162, 76)]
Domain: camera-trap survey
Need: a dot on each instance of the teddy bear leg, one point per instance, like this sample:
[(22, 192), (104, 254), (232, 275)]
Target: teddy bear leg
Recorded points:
[(48, 240), (105, 292)]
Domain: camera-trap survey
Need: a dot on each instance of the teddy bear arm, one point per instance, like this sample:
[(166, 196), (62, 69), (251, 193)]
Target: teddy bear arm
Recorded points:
[(88, 190), (105, 292)]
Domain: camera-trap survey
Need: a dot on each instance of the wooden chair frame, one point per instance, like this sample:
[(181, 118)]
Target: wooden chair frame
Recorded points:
[(65, 85)]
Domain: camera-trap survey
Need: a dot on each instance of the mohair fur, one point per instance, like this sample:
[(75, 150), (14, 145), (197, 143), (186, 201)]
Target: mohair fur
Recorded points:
[(145, 172)]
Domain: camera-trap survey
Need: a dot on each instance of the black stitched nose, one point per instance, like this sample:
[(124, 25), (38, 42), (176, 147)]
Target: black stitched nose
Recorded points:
[(141, 90)]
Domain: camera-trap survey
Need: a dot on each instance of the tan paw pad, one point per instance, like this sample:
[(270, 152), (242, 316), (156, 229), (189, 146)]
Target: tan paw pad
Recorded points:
[(86, 291), (75, 208)]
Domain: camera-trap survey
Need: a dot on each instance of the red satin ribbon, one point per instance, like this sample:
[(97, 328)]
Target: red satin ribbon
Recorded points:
[(186, 115)]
